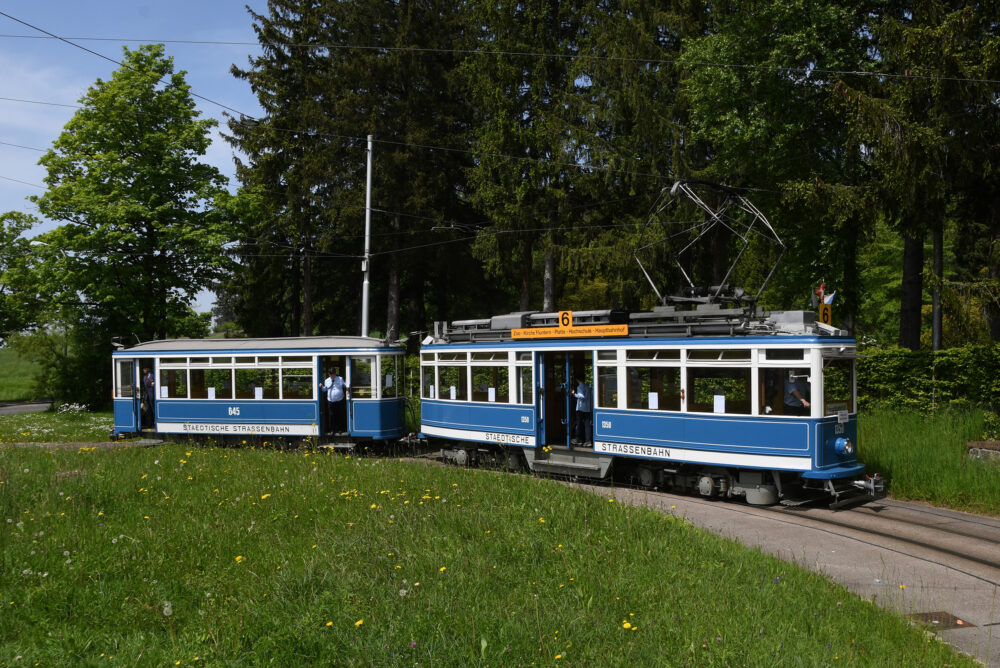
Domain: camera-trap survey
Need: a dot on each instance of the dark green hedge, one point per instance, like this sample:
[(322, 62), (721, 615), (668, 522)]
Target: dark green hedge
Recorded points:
[(926, 380)]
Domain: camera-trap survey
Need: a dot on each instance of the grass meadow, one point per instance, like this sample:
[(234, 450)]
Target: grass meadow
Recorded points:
[(195, 555), (924, 458), (16, 376)]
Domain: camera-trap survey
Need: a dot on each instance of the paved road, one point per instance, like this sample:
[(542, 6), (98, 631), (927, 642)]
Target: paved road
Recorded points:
[(23, 407), (902, 576)]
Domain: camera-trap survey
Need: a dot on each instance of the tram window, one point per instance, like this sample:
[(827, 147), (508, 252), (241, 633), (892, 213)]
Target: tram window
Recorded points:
[(212, 383), (838, 386), (124, 386), (296, 361), (654, 388), (718, 390), (776, 387), (173, 361), (490, 357), (524, 356), (271, 359), (607, 386), (654, 354), (427, 357), (784, 354), (222, 360), (361, 377), (525, 386), (490, 383), (427, 382), (607, 355), (198, 360), (256, 383), (296, 383), (173, 384), (453, 357), (717, 355), (390, 376), (452, 382), (246, 360)]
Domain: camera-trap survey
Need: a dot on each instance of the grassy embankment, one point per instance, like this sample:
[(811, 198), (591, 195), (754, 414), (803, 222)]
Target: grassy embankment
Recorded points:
[(16, 376), (181, 555), (924, 458)]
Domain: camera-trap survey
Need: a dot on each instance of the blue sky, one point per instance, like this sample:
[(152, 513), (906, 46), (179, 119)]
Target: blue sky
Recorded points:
[(45, 70)]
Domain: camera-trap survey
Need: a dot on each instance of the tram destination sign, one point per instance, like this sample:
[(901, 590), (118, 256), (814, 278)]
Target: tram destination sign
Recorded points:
[(566, 329)]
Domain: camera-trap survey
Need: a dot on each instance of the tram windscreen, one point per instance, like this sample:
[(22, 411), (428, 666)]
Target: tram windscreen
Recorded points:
[(838, 386)]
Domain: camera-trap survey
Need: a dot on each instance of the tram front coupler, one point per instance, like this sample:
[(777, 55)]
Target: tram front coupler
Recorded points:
[(873, 485)]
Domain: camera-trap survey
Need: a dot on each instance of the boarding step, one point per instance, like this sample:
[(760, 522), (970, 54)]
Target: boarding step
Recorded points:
[(564, 461)]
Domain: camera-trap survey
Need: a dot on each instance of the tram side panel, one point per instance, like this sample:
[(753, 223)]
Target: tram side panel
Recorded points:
[(750, 442), (479, 422)]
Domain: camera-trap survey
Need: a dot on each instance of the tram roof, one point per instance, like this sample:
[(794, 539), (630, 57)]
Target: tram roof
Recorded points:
[(300, 344)]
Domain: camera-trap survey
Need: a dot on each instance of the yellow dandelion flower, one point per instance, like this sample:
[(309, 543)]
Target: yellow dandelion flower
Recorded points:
[(239, 558), (329, 623), (902, 586), (558, 656), (442, 569), (359, 622), (264, 497), (542, 520), (626, 625)]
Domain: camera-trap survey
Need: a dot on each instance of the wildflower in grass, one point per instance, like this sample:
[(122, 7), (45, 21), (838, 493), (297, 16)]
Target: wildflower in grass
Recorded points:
[(558, 656), (329, 623), (626, 625), (542, 520), (167, 609), (359, 622), (264, 497), (902, 586), (239, 558), (442, 569)]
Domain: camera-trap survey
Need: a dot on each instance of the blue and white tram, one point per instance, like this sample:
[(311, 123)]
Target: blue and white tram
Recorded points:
[(258, 387), (682, 399)]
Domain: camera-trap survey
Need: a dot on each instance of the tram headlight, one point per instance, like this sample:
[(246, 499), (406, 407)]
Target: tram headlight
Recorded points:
[(844, 447)]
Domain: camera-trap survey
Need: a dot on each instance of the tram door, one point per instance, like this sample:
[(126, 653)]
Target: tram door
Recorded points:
[(333, 417), (558, 369)]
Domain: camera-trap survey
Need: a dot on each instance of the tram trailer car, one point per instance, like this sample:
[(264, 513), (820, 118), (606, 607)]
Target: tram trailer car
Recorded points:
[(259, 387), (691, 400)]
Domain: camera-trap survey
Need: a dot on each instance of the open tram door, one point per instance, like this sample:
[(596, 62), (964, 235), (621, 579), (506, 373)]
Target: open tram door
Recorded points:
[(333, 416), (557, 370), (127, 397)]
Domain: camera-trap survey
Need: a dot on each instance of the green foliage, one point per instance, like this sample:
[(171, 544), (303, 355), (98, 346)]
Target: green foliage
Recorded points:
[(17, 310), (928, 381), (213, 556)]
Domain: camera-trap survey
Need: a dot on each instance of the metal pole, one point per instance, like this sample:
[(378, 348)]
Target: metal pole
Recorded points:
[(368, 240)]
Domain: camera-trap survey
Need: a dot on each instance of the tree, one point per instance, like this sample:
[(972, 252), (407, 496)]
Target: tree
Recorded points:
[(140, 234), (761, 88), (930, 129), (16, 311), (330, 74)]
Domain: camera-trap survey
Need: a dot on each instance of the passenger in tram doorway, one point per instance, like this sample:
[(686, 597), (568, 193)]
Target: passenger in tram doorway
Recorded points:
[(336, 403), (148, 397), (583, 429), (797, 392)]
